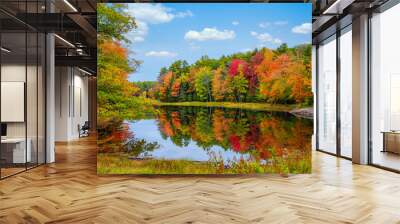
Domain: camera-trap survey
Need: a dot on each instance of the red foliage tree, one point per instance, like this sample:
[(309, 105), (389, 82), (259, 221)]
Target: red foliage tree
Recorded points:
[(238, 65)]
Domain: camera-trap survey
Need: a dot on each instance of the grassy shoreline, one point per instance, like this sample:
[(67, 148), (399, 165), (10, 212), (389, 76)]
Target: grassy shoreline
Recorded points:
[(248, 106), (115, 163)]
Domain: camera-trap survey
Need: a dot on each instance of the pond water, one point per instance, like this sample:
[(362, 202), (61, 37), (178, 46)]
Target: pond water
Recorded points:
[(219, 135), (190, 150)]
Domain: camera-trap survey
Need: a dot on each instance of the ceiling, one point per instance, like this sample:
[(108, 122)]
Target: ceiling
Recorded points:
[(330, 15), (73, 22)]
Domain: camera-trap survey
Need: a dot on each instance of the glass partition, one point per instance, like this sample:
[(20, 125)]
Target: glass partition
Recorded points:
[(385, 89), (346, 92), (22, 77), (13, 94), (327, 95)]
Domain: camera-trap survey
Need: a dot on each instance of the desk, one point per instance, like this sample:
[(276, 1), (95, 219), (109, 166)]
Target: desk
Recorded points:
[(391, 141), (15, 148)]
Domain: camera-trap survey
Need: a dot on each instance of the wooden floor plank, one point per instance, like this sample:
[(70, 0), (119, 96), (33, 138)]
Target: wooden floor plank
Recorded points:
[(69, 191)]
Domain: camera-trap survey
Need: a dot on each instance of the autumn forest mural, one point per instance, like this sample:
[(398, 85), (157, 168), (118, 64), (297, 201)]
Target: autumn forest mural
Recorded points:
[(201, 105)]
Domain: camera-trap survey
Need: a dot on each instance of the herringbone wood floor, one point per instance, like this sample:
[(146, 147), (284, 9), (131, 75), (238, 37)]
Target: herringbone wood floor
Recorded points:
[(69, 191)]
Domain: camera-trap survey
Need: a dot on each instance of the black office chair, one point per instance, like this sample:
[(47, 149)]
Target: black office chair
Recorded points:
[(84, 130)]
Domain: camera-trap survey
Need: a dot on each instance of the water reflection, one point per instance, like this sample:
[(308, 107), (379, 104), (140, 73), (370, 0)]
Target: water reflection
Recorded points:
[(209, 140)]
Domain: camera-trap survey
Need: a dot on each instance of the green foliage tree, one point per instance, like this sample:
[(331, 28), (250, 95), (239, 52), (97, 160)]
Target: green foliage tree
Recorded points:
[(179, 67), (115, 93), (203, 83), (145, 87), (113, 22), (238, 87), (282, 49)]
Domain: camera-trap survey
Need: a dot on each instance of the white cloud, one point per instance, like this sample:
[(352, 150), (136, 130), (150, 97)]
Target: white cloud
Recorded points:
[(276, 23), (253, 33), (145, 13), (138, 34), (209, 34), (155, 13), (265, 37), (264, 24), (160, 54), (188, 13), (235, 23), (304, 28)]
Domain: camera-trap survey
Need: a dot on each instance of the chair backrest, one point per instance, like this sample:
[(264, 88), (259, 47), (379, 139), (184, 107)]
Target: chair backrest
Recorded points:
[(86, 125)]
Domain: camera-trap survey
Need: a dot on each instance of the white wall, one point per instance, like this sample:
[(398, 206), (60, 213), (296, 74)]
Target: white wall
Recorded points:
[(62, 82), (80, 109), (14, 72), (71, 102), (13, 101)]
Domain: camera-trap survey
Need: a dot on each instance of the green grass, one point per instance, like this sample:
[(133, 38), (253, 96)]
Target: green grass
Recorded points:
[(120, 164), (248, 106), (116, 164)]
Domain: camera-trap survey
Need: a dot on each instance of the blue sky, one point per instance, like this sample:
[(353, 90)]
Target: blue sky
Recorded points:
[(174, 31)]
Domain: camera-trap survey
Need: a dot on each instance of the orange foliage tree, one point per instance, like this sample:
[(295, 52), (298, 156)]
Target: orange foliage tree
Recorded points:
[(263, 75)]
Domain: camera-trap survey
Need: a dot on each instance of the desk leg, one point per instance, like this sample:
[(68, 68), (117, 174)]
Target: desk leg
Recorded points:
[(384, 142)]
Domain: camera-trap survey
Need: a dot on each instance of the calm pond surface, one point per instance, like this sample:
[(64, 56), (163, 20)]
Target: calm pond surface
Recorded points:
[(237, 140)]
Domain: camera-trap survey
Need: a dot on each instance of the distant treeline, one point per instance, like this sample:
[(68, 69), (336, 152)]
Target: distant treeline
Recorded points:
[(145, 86), (262, 75)]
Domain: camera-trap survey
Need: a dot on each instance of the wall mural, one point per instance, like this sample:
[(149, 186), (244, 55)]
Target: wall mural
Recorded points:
[(204, 88)]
